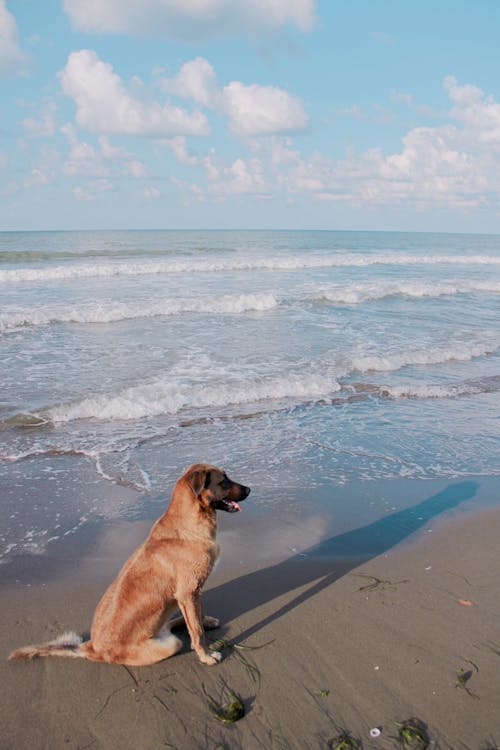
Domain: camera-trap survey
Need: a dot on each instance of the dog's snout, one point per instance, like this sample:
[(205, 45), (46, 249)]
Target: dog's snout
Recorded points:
[(245, 490)]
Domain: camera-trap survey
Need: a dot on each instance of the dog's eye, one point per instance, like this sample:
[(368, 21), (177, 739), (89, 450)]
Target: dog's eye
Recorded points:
[(225, 484)]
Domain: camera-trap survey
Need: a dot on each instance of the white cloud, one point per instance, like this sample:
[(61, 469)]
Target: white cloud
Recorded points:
[(135, 168), (91, 191), (241, 177), (258, 110), (151, 193), (479, 113), (82, 194), (181, 152), (422, 109), (84, 159), (109, 151), (101, 160), (246, 176), (224, 179), (401, 96), (105, 105), (190, 19), (252, 109), (12, 58), (195, 80), (37, 177), (44, 126), (454, 165)]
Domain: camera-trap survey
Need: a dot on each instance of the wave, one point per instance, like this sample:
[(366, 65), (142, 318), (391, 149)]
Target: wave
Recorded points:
[(135, 403), (110, 311), (107, 312), (439, 355), (170, 395), (290, 263), (355, 294), (164, 397)]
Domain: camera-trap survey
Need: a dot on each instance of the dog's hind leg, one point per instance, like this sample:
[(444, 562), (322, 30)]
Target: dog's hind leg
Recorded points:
[(152, 650)]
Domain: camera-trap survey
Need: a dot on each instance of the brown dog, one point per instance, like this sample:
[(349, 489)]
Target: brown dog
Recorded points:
[(131, 623)]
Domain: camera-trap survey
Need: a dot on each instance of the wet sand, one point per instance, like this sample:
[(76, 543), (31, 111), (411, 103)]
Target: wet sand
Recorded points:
[(359, 630)]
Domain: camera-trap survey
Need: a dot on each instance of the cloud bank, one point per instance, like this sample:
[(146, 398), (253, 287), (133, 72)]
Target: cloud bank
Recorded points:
[(105, 105), (190, 20), (12, 58), (251, 109), (454, 165)]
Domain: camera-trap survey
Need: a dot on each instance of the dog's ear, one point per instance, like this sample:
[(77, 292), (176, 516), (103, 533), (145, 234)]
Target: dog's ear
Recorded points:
[(199, 479)]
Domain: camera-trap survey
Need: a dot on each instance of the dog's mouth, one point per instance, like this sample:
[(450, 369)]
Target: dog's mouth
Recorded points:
[(230, 506)]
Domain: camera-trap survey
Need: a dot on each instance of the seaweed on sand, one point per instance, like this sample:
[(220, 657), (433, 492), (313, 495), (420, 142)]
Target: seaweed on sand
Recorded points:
[(238, 649), (231, 710), (345, 741), (413, 734)]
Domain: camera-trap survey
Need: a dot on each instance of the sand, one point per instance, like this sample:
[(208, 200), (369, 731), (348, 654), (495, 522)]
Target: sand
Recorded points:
[(407, 629)]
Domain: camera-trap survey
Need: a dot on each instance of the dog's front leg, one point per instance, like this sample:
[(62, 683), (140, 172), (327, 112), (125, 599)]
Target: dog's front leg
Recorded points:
[(191, 609)]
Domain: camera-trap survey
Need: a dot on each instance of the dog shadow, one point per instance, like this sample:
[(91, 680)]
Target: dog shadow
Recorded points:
[(322, 564)]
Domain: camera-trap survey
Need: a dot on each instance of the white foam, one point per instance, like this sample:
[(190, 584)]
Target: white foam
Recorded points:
[(277, 263), (431, 391), (472, 386), (110, 311), (438, 355), (354, 294), (183, 389), (165, 397)]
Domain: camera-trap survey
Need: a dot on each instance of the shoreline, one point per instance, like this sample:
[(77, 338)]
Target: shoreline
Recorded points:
[(357, 520), (351, 643)]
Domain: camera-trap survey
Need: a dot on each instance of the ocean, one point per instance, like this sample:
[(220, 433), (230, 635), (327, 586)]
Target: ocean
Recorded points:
[(306, 363)]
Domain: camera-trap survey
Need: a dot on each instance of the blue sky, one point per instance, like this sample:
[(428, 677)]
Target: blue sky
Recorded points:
[(237, 113)]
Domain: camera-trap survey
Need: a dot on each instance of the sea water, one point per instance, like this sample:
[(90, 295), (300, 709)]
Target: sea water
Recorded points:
[(300, 361)]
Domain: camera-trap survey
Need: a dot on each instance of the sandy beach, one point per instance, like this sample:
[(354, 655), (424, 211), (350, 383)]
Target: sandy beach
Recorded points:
[(359, 631), (262, 236)]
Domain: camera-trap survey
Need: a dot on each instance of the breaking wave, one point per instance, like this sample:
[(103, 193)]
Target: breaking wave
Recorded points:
[(169, 396), (354, 294), (165, 397), (291, 263), (107, 312), (439, 355)]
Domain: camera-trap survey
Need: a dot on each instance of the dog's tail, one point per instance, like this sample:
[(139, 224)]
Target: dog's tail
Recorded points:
[(67, 644)]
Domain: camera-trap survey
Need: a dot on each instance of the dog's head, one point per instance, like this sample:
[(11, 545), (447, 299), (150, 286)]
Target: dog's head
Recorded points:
[(214, 489)]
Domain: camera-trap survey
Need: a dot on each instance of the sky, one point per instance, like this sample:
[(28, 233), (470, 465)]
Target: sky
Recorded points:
[(256, 114)]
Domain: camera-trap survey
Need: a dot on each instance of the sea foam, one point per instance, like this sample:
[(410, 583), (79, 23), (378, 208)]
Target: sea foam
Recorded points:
[(357, 293), (437, 355), (112, 311), (170, 394), (277, 263), (163, 396)]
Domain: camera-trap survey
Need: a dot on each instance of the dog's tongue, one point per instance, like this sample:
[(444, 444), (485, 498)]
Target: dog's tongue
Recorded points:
[(235, 505)]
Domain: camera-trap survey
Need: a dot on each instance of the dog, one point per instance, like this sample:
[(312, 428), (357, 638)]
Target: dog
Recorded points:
[(166, 573)]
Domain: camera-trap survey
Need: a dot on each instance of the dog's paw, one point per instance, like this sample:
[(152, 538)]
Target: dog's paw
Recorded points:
[(210, 623), (211, 658)]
